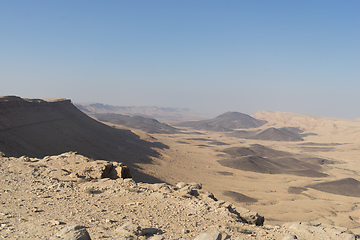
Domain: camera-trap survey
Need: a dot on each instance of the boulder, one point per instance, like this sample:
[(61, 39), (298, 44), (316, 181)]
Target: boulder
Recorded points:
[(181, 185), (104, 169), (129, 229), (72, 233), (250, 216)]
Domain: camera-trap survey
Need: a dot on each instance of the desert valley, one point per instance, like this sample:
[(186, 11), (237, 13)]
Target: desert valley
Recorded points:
[(163, 173)]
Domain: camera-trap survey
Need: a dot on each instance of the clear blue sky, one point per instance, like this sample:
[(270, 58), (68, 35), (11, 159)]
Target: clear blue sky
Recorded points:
[(215, 56)]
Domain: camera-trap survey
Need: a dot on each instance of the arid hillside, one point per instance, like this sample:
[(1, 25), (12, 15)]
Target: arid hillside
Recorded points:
[(72, 197), (37, 128)]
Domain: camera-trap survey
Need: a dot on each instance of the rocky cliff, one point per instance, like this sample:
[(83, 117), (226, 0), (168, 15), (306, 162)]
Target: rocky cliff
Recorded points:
[(37, 128)]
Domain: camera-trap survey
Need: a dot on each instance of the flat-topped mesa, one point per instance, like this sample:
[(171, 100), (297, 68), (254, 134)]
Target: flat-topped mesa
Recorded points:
[(37, 128), (23, 112), (15, 101)]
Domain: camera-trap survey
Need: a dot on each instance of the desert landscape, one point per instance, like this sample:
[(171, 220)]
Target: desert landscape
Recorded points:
[(179, 120), (66, 175)]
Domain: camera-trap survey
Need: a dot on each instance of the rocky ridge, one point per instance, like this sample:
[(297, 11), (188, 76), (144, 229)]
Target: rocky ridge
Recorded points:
[(70, 196), (145, 124)]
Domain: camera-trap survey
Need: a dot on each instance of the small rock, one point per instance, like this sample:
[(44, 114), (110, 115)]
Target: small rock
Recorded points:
[(35, 209), (157, 237), (213, 235), (72, 233), (195, 186), (181, 185), (290, 237), (25, 159), (150, 231), (109, 221), (206, 195), (130, 228), (55, 222)]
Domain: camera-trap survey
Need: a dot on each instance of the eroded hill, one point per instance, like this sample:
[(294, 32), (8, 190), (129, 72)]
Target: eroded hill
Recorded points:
[(225, 122), (38, 128)]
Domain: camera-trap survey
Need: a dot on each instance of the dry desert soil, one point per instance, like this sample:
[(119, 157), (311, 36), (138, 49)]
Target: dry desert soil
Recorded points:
[(61, 168)]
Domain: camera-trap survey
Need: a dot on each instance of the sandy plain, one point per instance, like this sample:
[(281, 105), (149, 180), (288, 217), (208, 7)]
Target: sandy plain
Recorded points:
[(336, 140)]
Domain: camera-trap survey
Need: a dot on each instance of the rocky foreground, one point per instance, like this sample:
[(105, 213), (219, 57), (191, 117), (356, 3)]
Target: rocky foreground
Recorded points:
[(70, 196)]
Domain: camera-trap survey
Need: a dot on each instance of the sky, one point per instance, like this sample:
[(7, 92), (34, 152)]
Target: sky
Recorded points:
[(209, 56)]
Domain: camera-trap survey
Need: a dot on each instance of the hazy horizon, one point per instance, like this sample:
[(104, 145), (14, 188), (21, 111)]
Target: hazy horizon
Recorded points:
[(208, 56)]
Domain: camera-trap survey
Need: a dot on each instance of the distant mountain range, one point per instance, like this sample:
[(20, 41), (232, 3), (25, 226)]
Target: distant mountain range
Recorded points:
[(145, 124), (234, 124), (159, 113), (231, 122)]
